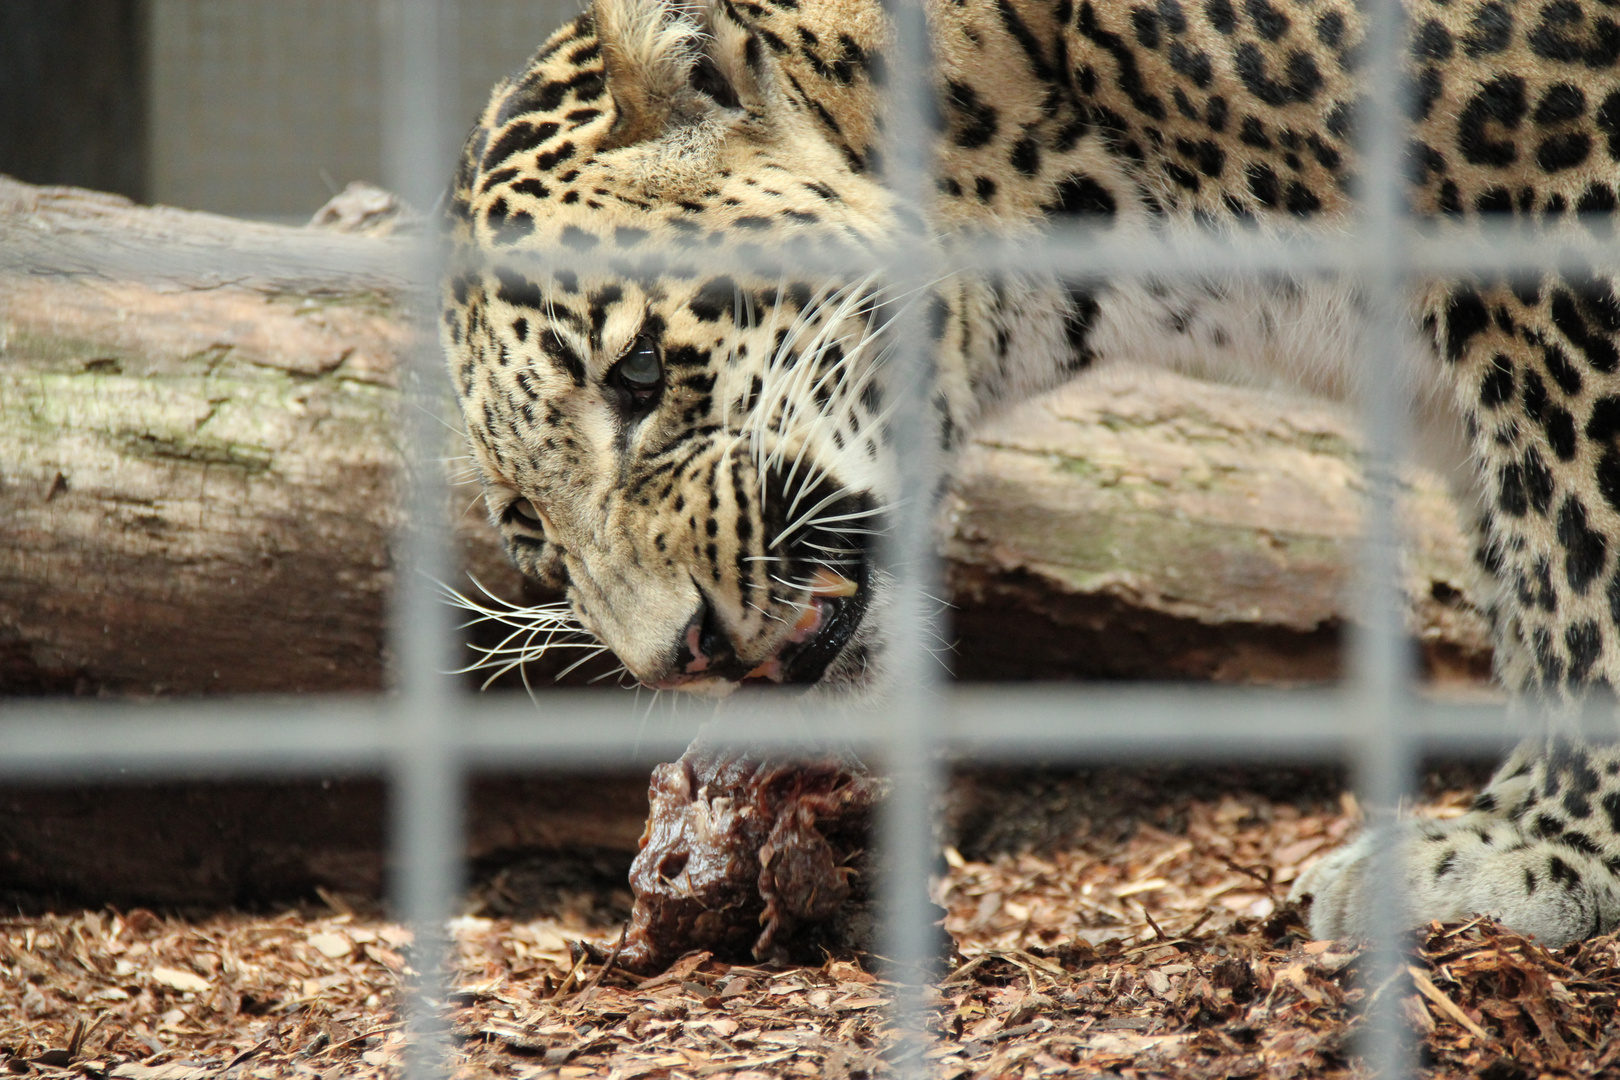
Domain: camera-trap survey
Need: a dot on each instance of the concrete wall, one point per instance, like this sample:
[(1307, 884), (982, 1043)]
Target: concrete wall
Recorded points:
[(262, 108)]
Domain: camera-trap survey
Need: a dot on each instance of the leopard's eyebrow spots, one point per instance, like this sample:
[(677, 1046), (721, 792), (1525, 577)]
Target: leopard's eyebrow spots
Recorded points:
[(599, 304)]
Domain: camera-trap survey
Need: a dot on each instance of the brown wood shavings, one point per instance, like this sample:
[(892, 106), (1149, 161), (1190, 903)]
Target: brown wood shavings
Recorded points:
[(138, 997), (1164, 953)]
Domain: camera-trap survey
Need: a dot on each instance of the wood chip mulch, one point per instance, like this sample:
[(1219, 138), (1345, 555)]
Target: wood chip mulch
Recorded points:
[(1166, 952)]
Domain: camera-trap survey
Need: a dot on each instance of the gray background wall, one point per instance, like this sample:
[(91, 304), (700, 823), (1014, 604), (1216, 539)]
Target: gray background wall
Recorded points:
[(259, 108)]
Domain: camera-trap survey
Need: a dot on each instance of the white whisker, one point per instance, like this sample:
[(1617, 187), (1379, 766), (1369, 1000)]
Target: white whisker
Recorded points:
[(620, 670), (600, 649), (810, 515), (767, 614), (554, 625)]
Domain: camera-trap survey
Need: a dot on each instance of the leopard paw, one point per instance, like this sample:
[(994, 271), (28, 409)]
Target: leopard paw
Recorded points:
[(1457, 869)]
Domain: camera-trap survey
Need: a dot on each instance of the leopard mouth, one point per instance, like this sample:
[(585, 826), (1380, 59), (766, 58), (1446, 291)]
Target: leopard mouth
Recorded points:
[(827, 563), (829, 623), (830, 615)]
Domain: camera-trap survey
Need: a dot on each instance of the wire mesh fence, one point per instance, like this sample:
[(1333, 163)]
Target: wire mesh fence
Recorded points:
[(427, 736)]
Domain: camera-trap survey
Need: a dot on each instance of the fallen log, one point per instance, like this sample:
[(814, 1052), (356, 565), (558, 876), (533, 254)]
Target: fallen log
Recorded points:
[(1138, 524), (197, 493), (196, 460), (197, 485)]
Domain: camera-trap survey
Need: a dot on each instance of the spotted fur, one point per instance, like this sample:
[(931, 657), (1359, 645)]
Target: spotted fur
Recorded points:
[(697, 449)]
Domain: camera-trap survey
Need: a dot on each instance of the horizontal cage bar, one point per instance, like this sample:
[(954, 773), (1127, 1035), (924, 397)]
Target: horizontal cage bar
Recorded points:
[(586, 729)]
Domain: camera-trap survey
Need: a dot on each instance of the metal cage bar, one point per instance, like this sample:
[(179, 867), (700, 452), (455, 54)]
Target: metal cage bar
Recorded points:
[(579, 729), (905, 827), (1381, 662), (428, 736), (426, 776)]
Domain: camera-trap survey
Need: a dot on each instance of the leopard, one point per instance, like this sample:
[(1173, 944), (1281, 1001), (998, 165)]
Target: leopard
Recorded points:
[(696, 444)]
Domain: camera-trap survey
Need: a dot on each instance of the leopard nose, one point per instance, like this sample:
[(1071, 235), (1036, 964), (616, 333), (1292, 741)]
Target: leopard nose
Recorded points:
[(705, 648)]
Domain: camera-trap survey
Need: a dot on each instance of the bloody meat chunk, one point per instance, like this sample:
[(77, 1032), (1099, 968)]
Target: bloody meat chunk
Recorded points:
[(752, 856)]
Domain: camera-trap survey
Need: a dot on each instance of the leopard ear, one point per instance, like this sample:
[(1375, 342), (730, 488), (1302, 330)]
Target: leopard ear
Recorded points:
[(649, 48), (830, 75), (735, 68)]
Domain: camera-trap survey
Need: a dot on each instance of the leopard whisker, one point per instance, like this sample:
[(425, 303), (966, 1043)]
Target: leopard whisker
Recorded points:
[(796, 587), (594, 679), (519, 647), (558, 612), (847, 531), (782, 391), (853, 515), (506, 649), (810, 513), (851, 298), (816, 347), (598, 651), (767, 614), (459, 432), (852, 553), (522, 618), (808, 485), (809, 517)]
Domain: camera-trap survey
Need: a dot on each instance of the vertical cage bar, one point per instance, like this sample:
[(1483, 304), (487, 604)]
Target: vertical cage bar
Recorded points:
[(426, 773), (906, 826), (1381, 661)]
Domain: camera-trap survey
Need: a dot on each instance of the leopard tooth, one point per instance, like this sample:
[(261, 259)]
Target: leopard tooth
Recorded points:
[(825, 582), (807, 620)]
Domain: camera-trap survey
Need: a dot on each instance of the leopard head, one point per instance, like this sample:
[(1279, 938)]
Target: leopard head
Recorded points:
[(692, 448)]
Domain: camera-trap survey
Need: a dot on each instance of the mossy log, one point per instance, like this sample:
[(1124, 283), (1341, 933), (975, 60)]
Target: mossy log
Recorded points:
[(1138, 524), (197, 466), (198, 488), (197, 461)]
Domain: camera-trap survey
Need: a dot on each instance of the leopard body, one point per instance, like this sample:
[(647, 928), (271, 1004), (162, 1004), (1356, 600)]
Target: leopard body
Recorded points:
[(695, 445)]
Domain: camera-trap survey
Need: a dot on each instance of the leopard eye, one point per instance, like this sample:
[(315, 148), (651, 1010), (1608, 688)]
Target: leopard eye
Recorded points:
[(640, 368), (639, 374), (522, 511)]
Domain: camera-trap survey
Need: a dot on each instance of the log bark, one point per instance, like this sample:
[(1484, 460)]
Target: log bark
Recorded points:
[(197, 463), (1138, 524), (197, 492), (197, 486)]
